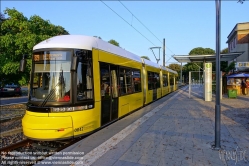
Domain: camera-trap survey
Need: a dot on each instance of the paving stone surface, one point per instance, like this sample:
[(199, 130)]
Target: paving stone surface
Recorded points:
[(182, 132)]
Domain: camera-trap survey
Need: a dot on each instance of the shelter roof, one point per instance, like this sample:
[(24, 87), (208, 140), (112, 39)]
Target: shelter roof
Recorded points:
[(207, 58), (238, 75)]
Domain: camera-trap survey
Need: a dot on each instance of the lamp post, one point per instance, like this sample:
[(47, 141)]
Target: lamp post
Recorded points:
[(217, 146), (181, 74), (199, 77)]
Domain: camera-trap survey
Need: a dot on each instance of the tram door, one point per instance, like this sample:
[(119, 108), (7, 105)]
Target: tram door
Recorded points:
[(155, 85), (154, 94), (109, 92)]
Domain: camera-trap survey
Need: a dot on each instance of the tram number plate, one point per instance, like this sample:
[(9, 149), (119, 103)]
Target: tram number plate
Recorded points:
[(78, 129)]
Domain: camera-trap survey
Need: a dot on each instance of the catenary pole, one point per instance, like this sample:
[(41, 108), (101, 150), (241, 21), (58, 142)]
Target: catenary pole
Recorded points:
[(217, 98), (181, 74), (163, 51), (199, 77)]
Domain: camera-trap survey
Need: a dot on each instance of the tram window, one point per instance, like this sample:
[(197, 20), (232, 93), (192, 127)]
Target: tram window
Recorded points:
[(105, 81), (84, 78), (51, 76), (137, 80), (153, 80), (114, 84), (156, 80), (126, 82), (165, 80), (171, 80), (150, 80)]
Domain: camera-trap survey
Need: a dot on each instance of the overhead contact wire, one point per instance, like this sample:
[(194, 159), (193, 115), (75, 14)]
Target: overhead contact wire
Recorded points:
[(141, 22), (128, 23), (145, 26)]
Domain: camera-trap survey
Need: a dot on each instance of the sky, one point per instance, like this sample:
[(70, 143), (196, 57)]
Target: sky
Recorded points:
[(139, 25)]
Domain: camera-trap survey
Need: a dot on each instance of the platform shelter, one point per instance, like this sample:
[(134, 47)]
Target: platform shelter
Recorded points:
[(207, 66)]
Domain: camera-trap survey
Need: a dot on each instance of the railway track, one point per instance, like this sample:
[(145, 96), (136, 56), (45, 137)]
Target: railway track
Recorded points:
[(30, 152), (11, 128), (24, 152), (10, 124), (9, 112)]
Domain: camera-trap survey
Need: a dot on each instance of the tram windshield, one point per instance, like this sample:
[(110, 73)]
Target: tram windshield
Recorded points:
[(51, 76)]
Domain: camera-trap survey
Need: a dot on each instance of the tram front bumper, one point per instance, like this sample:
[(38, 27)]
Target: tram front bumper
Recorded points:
[(47, 127)]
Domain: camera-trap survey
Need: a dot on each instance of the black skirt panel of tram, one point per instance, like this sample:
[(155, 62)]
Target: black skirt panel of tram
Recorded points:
[(154, 94), (48, 109), (105, 110), (114, 108), (38, 109), (109, 110)]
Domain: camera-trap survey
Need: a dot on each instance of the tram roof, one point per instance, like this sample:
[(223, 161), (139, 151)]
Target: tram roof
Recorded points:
[(153, 64), (169, 70), (84, 42), (207, 58), (88, 43), (150, 63)]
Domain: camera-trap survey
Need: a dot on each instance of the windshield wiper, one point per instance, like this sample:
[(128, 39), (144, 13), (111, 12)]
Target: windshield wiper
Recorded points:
[(51, 93)]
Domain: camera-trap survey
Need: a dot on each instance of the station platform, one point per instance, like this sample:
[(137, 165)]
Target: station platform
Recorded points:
[(175, 130)]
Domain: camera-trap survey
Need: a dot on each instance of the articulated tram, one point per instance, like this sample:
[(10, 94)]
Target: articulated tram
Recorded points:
[(80, 83)]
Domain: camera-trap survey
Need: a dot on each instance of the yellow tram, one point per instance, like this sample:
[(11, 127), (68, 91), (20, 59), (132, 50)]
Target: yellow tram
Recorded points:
[(81, 83)]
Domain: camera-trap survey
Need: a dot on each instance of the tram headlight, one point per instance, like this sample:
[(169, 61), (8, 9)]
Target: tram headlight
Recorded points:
[(84, 107)]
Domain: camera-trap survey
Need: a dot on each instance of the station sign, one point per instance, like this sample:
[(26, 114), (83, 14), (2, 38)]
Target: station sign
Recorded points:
[(242, 64), (208, 81), (54, 56)]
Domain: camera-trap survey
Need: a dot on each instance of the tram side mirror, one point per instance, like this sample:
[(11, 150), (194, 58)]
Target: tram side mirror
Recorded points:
[(23, 63), (74, 63)]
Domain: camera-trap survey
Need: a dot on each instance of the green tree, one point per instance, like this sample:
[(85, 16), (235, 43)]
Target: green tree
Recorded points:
[(18, 37), (114, 42), (2, 19), (97, 37), (197, 66), (241, 1), (175, 67), (201, 51), (197, 51), (224, 64), (224, 51), (191, 67), (230, 67), (145, 57)]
